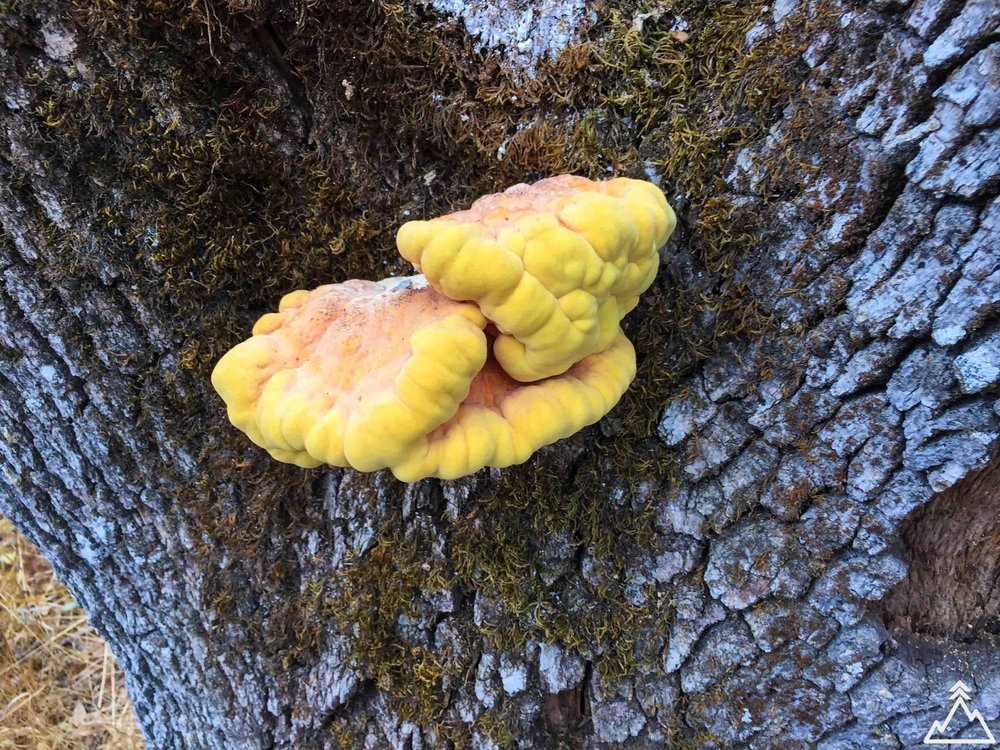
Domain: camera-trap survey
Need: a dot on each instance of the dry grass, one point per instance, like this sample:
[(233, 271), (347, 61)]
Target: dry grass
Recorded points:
[(60, 688)]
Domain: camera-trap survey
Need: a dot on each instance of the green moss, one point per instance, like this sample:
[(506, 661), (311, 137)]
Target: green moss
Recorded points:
[(396, 572), (212, 216)]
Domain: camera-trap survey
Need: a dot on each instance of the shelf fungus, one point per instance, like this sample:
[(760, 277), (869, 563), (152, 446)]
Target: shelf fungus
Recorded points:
[(555, 265), (444, 373)]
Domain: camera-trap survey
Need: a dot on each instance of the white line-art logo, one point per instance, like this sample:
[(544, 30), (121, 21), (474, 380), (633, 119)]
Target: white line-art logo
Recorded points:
[(939, 731)]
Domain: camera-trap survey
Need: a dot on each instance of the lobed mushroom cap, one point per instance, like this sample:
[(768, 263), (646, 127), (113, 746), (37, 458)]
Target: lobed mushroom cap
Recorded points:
[(393, 374), (555, 265), (502, 422)]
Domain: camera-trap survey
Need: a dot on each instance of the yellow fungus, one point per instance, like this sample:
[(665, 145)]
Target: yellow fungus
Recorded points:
[(395, 375), (555, 265)]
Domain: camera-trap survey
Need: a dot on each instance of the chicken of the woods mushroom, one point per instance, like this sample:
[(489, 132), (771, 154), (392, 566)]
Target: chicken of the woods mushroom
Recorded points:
[(509, 340)]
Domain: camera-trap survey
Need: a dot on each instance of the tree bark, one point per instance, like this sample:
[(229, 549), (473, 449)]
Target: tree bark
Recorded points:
[(780, 537)]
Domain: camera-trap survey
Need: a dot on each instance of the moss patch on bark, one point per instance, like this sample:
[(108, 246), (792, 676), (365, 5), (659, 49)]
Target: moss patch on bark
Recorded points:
[(259, 147)]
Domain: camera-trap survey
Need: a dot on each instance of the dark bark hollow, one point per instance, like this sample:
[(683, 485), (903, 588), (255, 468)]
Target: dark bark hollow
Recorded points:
[(722, 562), (953, 551)]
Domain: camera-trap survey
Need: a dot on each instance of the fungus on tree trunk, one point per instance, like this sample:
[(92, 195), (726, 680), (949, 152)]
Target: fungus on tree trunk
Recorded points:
[(556, 264), (401, 375)]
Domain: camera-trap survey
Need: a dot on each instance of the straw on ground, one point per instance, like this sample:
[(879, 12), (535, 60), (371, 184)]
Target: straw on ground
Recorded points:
[(60, 688)]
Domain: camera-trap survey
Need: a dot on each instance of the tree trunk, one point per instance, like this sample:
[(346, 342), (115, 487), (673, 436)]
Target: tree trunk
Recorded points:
[(771, 542)]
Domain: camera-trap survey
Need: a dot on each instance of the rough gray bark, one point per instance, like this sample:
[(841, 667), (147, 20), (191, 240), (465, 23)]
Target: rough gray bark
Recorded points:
[(802, 451)]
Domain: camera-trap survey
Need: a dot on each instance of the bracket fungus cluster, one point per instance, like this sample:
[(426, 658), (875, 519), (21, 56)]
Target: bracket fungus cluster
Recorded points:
[(509, 339)]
